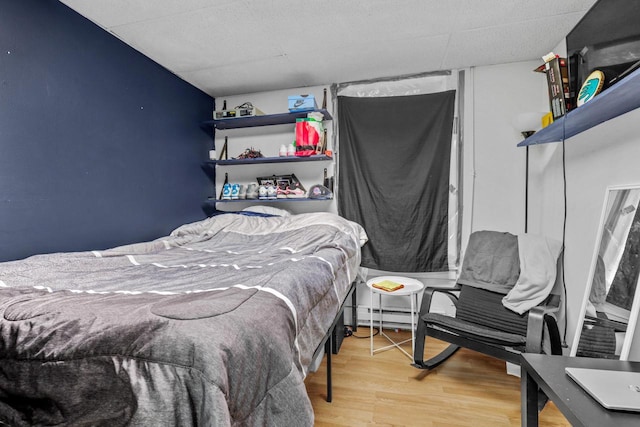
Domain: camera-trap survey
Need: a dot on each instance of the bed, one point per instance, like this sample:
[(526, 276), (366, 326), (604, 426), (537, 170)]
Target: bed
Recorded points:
[(214, 324)]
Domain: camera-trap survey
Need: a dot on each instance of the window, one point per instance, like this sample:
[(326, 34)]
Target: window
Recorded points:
[(398, 170)]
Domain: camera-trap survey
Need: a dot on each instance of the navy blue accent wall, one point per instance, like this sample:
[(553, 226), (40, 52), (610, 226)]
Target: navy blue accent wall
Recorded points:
[(99, 145)]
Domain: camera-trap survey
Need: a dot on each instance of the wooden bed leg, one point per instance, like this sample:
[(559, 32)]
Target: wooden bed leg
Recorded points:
[(328, 346)]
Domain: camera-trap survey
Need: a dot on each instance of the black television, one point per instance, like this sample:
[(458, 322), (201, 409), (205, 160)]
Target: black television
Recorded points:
[(607, 38)]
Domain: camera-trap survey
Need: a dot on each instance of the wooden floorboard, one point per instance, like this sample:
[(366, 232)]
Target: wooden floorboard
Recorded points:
[(469, 389)]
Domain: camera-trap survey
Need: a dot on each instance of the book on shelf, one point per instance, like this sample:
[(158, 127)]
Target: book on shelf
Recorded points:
[(388, 285), (556, 71)]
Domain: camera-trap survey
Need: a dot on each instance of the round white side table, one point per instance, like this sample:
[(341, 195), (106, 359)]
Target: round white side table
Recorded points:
[(411, 289)]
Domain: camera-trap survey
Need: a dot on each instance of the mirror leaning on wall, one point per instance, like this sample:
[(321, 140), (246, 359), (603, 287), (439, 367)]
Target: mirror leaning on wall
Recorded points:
[(610, 307)]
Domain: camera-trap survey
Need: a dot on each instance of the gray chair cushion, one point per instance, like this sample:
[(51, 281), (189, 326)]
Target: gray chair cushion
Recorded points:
[(471, 330), (485, 309)]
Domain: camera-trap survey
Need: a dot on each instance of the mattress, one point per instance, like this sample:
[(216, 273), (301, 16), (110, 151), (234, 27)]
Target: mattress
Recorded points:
[(214, 324)]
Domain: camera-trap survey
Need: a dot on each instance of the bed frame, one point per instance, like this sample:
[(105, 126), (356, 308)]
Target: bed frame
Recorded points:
[(329, 345)]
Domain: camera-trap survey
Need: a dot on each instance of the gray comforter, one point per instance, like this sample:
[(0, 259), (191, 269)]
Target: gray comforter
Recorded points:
[(213, 325)]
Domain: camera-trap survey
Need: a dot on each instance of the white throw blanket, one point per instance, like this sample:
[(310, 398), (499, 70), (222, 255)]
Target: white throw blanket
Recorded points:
[(538, 257)]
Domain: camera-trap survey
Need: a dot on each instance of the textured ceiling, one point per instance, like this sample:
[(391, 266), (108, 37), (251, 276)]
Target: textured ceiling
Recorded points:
[(231, 47)]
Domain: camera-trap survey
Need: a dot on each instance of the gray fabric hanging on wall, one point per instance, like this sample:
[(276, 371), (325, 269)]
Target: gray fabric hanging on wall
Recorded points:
[(394, 177)]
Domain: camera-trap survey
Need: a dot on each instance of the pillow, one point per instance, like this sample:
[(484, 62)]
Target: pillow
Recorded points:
[(267, 210), (243, 213)]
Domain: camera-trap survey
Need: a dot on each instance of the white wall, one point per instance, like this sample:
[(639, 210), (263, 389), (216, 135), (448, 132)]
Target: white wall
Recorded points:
[(494, 166), (600, 157)]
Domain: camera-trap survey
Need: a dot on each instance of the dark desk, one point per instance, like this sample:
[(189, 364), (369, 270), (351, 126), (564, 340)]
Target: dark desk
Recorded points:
[(547, 372)]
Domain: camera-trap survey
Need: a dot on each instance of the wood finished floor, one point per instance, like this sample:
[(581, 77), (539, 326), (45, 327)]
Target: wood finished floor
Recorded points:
[(469, 389)]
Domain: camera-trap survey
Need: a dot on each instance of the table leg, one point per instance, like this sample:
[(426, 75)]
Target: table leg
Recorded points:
[(371, 320), (414, 303), (380, 311), (529, 400)]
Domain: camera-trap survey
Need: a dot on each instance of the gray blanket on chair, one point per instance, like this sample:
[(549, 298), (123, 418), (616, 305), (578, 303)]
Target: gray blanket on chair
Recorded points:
[(523, 267), (491, 261)]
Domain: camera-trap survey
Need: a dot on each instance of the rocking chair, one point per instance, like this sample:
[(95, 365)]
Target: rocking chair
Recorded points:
[(482, 323)]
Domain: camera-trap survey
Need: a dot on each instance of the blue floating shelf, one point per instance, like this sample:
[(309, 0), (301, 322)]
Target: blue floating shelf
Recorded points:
[(300, 199), (264, 120), (292, 159), (619, 99)]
